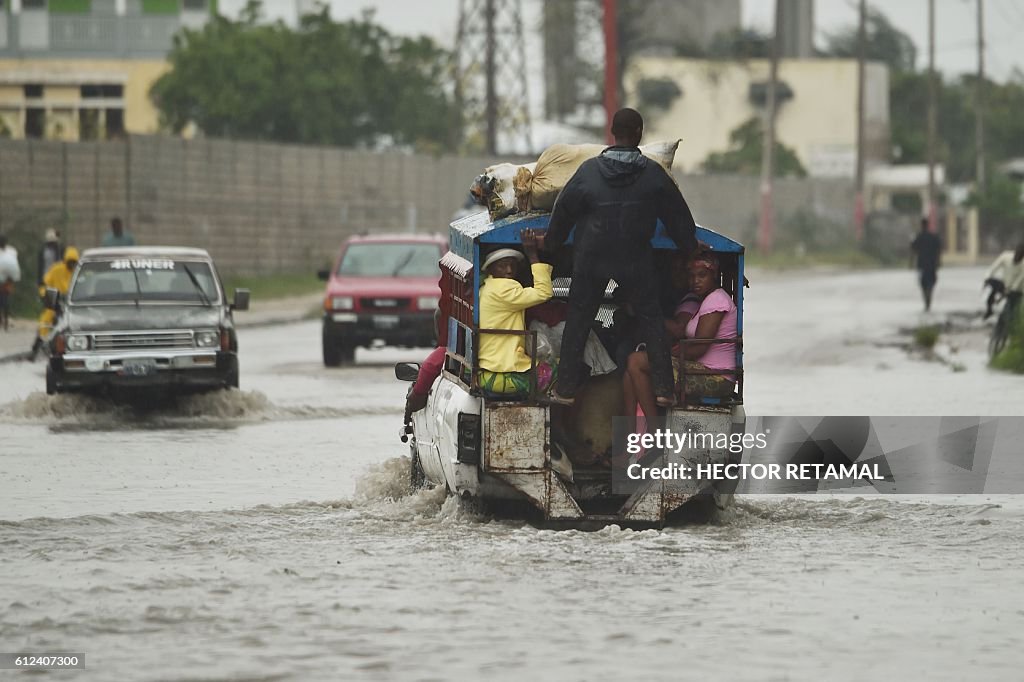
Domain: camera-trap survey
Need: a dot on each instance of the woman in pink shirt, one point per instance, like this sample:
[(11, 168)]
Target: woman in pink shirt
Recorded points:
[(706, 313)]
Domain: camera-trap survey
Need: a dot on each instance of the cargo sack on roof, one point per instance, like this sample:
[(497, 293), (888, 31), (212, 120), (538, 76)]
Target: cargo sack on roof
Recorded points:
[(559, 162)]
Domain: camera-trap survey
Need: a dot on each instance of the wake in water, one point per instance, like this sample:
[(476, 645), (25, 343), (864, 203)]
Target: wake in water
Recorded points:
[(196, 410)]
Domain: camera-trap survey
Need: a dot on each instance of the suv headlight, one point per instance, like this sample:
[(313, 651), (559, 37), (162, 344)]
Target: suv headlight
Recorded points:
[(341, 303), (76, 343), (427, 302), (207, 339)]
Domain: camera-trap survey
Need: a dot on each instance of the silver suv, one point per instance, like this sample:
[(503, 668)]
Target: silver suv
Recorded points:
[(144, 318)]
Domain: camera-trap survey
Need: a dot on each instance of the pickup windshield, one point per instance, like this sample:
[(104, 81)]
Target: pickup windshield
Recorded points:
[(127, 280), (390, 260)]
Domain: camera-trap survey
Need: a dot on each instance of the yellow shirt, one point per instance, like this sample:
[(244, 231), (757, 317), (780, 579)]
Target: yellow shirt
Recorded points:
[(502, 302), (58, 277)]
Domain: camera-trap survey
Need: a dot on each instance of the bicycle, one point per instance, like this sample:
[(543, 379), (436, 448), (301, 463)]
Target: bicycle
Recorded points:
[(1004, 324)]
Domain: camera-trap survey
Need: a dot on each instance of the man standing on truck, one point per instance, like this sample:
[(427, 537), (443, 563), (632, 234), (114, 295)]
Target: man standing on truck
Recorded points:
[(615, 200)]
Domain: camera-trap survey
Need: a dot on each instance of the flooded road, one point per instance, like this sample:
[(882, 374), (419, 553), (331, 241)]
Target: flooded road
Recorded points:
[(269, 533)]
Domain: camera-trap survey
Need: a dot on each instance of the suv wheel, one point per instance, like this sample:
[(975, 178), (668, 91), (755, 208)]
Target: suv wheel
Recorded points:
[(231, 381), (51, 381)]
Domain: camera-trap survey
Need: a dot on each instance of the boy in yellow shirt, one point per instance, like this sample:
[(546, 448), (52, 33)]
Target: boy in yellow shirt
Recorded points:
[(504, 364)]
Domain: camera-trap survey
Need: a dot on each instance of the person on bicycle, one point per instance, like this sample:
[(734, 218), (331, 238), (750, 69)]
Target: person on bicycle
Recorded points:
[(1007, 269), (58, 277)]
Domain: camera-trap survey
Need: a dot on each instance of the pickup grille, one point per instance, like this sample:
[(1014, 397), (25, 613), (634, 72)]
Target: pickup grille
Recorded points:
[(142, 340), (384, 303)]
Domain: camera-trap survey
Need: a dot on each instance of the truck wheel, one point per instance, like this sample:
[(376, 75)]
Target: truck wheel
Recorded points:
[(417, 479), (332, 352), (347, 353)]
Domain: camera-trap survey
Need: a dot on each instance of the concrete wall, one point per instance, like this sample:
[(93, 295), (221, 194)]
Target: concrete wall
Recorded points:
[(266, 208)]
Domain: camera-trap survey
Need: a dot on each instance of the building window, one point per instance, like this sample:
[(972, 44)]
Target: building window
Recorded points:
[(115, 123), (106, 91), (88, 124), (33, 90), (33, 4), (35, 122), (194, 5)]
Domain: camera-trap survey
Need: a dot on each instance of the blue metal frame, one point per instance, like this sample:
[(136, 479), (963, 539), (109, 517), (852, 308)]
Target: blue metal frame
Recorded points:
[(467, 234)]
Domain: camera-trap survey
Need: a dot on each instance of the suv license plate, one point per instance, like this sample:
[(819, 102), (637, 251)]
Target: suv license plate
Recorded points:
[(138, 368), (385, 321)]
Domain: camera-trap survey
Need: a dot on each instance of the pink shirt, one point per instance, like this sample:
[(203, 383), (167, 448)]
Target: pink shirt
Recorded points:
[(718, 355)]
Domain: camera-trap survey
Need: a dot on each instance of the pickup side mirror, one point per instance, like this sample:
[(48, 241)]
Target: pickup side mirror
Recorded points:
[(241, 301), (52, 299), (323, 274), (407, 371)]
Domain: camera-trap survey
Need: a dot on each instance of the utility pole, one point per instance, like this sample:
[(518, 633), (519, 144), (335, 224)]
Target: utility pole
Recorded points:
[(931, 116), (979, 104), (490, 76), (766, 229), (491, 101), (858, 210), (611, 66)]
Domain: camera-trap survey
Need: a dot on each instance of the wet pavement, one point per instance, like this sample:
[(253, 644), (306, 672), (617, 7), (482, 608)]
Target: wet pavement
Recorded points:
[(269, 533)]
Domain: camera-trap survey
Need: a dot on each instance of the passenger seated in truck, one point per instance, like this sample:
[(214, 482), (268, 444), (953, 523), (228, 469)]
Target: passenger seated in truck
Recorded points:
[(504, 364), (707, 312), (628, 332)]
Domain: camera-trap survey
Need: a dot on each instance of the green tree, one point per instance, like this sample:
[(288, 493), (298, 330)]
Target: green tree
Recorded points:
[(350, 83), (745, 152), (1001, 208), (885, 43), (740, 43)]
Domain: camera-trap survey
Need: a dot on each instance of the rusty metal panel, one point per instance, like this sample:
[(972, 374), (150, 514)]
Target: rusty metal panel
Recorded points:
[(514, 438), (546, 491), (646, 504)]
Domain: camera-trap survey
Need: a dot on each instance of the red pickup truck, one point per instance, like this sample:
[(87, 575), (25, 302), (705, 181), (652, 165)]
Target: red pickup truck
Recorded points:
[(381, 288)]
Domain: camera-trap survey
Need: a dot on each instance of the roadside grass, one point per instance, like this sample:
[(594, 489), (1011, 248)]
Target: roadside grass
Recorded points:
[(283, 285), (926, 337), (793, 260)]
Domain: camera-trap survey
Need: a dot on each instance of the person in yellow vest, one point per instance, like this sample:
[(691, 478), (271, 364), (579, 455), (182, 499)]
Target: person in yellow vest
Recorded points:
[(57, 277), (504, 364)]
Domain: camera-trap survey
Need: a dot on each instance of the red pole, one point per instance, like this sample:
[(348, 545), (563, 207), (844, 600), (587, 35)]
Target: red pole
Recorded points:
[(611, 68)]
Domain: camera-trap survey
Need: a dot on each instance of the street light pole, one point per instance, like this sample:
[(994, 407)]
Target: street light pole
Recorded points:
[(858, 211), (931, 116), (611, 67), (766, 229)]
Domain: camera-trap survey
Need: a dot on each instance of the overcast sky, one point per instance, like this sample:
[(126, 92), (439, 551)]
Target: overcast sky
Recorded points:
[(955, 27)]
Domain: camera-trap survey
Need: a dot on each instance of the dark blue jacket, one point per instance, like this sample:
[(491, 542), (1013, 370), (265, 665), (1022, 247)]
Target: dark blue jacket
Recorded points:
[(615, 201)]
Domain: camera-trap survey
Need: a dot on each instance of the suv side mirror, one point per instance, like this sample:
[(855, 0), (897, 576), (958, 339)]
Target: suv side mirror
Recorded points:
[(52, 299), (407, 371), (323, 274), (241, 300)]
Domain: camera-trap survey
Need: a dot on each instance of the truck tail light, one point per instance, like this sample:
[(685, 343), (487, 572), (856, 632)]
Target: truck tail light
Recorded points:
[(468, 451)]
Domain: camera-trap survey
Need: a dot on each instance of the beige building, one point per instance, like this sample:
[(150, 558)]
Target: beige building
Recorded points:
[(817, 112), (82, 69), (76, 99)]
